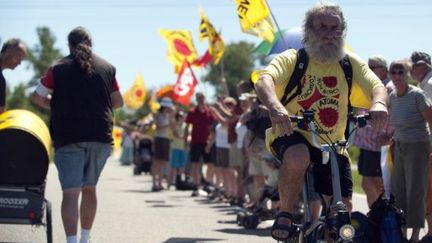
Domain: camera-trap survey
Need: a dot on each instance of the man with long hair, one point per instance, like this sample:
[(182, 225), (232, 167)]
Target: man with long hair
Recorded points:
[(81, 91), (325, 91), (12, 53)]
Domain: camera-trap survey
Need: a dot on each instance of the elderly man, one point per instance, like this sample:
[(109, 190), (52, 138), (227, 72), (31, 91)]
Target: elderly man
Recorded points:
[(324, 90), (11, 55), (422, 72)]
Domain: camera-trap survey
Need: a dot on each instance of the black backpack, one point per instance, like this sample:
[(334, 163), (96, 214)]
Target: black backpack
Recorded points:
[(385, 222), (300, 69)]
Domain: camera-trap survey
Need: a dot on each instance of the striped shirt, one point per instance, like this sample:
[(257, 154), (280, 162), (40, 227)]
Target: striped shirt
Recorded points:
[(406, 115)]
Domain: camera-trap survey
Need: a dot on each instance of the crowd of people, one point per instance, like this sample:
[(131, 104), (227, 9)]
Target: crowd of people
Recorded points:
[(234, 148)]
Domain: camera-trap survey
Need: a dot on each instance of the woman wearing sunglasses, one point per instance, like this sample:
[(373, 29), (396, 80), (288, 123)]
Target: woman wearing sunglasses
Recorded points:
[(410, 112)]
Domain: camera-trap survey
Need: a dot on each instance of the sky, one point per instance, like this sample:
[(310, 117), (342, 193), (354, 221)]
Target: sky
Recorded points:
[(126, 32)]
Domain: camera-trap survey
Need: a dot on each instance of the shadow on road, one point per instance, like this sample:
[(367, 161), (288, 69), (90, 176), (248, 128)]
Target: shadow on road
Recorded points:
[(138, 191), (191, 240), (239, 231)]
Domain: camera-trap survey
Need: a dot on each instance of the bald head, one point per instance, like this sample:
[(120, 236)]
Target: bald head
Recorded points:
[(12, 53)]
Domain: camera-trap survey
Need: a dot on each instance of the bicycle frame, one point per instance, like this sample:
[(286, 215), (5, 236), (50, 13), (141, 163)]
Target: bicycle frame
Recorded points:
[(342, 225)]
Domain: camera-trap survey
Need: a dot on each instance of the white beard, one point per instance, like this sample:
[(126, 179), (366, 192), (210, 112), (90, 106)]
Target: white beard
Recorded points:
[(324, 53)]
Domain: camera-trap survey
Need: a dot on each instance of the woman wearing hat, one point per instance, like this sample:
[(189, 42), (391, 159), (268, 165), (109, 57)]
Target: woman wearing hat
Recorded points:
[(161, 141)]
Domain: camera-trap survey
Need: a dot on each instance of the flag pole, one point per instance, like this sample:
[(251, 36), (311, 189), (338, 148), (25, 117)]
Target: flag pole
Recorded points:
[(277, 26)]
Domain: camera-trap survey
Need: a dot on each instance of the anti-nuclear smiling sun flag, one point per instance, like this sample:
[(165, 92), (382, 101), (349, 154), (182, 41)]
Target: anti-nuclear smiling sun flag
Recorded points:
[(135, 96), (180, 46)]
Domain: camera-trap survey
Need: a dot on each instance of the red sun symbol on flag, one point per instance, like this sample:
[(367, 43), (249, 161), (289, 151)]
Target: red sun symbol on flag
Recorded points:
[(138, 93), (182, 47)]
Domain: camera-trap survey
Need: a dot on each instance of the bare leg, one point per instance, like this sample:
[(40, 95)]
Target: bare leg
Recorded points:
[(296, 161), (415, 236), (291, 179), (315, 208), (233, 182), (372, 186), (258, 185), (196, 175), (69, 210), (240, 186), (429, 223), (210, 173), (88, 207)]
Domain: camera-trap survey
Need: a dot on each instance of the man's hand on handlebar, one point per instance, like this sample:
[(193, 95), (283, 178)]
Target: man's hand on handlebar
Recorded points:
[(280, 120)]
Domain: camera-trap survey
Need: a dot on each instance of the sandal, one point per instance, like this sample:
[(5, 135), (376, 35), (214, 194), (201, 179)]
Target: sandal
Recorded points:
[(282, 230)]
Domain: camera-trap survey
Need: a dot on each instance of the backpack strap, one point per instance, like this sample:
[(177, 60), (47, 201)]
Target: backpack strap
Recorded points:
[(300, 69), (348, 71), (296, 77)]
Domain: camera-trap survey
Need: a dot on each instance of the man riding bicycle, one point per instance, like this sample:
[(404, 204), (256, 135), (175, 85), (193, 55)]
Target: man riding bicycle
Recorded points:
[(324, 90)]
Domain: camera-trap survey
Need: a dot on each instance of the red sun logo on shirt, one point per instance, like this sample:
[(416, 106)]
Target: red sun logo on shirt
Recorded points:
[(330, 81), (328, 116)]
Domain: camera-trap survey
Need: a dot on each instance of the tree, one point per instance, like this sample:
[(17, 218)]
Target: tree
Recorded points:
[(18, 98), (43, 54), (236, 64)]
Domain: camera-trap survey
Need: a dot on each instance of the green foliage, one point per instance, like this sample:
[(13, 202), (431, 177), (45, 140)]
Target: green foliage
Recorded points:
[(356, 177), (18, 98), (42, 55), (354, 153), (236, 64)]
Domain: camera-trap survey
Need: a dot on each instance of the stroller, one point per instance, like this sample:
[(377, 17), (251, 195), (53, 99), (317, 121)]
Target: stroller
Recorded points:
[(24, 160), (143, 153)]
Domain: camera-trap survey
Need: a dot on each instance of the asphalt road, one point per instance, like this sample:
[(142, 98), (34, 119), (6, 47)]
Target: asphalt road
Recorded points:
[(129, 212)]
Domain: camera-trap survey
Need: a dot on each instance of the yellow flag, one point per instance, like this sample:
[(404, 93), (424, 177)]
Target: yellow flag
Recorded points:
[(153, 105), (135, 96), (117, 136), (255, 18), (216, 44), (180, 46)]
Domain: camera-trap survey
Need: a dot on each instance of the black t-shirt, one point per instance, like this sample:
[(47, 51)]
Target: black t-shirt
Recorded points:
[(2, 90), (81, 108)]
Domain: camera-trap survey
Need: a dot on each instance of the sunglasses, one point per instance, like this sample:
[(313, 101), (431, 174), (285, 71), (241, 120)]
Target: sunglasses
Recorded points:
[(399, 72), (375, 67)]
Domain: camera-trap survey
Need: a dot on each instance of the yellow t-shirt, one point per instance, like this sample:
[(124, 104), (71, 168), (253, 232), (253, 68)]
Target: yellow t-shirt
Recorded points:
[(325, 92)]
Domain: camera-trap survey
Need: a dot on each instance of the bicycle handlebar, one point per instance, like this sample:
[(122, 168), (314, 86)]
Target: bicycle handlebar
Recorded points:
[(308, 118)]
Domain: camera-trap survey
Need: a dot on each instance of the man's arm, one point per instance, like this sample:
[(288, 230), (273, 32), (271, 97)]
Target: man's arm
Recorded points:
[(116, 99), (379, 110), (279, 116), (44, 102)]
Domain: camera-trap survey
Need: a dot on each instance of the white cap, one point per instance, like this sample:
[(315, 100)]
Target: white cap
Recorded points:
[(166, 102)]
